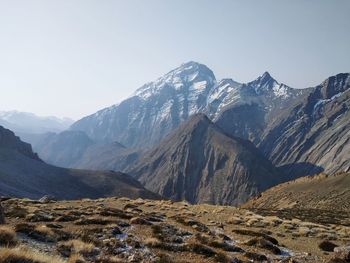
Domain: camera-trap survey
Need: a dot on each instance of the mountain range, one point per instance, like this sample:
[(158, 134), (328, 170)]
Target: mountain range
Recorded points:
[(159, 107), (29, 123), (263, 111), (190, 136)]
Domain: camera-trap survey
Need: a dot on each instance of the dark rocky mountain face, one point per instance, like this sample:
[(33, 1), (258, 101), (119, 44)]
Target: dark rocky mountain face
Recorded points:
[(244, 121), (8, 141), (23, 174), (315, 130), (159, 107), (201, 164)]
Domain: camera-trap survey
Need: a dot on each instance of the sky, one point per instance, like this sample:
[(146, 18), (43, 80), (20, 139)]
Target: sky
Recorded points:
[(72, 58)]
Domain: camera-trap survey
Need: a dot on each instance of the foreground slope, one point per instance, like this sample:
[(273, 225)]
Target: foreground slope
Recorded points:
[(201, 164), (124, 230), (23, 174), (325, 192)]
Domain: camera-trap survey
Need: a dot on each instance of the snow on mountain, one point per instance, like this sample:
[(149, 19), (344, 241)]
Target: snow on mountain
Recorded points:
[(158, 107)]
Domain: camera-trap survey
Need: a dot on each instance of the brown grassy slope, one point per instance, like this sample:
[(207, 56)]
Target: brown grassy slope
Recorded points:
[(122, 230), (323, 192)]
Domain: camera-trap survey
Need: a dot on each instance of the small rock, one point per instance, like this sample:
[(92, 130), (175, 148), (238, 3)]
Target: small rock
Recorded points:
[(342, 253), (47, 199), (130, 207), (116, 231), (56, 226), (139, 221), (123, 224)]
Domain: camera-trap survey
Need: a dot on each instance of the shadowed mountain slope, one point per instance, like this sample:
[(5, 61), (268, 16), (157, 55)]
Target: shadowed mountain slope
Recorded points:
[(23, 174), (201, 164)]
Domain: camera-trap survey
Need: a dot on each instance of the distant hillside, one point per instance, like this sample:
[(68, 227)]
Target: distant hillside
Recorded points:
[(23, 174), (29, 123), (74, 149), (317, 192)]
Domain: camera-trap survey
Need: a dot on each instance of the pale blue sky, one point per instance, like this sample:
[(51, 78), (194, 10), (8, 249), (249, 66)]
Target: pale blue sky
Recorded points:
[(73, 57)]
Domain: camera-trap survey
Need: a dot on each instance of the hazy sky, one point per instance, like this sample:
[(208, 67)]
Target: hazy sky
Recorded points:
[(73, 57)]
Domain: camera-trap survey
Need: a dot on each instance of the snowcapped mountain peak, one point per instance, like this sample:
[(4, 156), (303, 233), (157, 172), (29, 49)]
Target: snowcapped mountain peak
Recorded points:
[(191, 74), (263, 83), (266, 75), (268, 86)]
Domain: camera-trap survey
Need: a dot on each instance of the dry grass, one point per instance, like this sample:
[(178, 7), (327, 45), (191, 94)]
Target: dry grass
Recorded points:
[(76, 246), (16, 211), (76, 258), (7, 236), (152, 242), (25, 255), (94, 221), (46, 232)]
